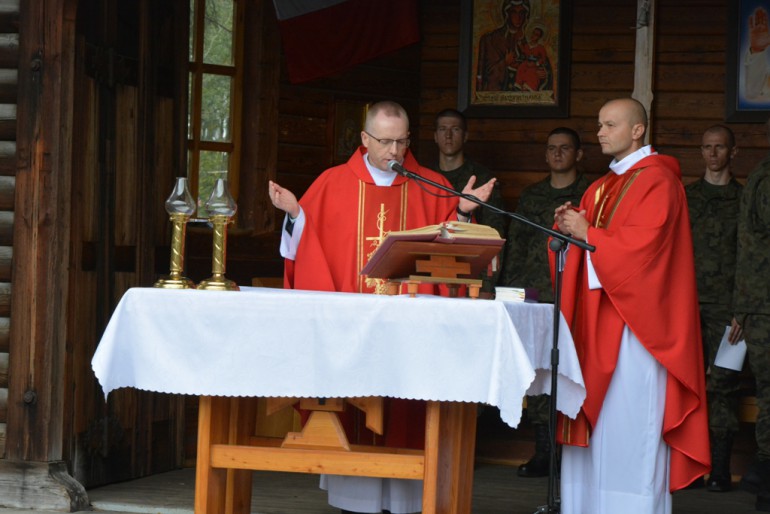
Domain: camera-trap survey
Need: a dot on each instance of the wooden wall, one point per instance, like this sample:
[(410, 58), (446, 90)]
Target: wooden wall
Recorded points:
[(127, 132), (690, 85), (9, 61), (689, 88)]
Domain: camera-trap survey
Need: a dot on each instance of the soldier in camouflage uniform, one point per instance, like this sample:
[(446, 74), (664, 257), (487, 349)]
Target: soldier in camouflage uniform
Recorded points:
[(713, 204), (526, 258), (752, 308), (451, 135)]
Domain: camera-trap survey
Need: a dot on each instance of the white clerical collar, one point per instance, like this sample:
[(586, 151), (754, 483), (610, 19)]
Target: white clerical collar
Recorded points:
[(380, 177), (625, 164)]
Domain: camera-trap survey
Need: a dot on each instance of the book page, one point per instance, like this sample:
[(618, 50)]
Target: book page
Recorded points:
[(451, 229)]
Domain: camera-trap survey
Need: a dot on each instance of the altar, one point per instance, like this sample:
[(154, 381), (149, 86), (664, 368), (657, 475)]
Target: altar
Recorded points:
[(229, 347)]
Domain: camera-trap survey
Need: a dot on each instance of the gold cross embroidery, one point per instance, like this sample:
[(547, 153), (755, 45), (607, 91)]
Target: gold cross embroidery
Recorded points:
[(377, 283), (376, 241)]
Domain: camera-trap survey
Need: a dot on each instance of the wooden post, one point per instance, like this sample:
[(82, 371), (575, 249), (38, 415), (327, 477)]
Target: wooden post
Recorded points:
[(643, 63), (41, 234), (32, 475)]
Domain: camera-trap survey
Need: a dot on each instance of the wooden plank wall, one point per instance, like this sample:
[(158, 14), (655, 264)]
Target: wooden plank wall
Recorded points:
[(9, 61), (306, 111), (690, 81), (125, 129), (689, 87)]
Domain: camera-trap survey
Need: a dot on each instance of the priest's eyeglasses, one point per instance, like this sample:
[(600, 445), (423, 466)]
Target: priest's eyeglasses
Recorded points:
[(401, 143)]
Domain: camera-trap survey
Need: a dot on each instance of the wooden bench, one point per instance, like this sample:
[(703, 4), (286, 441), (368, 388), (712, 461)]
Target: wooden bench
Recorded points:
[(747, 409), (747, 401)]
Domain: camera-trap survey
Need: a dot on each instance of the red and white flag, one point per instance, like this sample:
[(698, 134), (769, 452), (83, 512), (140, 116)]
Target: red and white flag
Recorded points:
[(324, 37)]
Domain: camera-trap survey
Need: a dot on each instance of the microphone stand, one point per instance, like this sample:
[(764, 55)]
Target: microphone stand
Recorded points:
[(558, 245)]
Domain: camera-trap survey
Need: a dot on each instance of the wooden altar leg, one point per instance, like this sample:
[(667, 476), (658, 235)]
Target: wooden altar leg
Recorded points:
[(450, 442), (217, 490), (210, 483), (243, 413)]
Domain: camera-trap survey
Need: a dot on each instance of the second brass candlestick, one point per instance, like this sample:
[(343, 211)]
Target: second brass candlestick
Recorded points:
[(217, 281)]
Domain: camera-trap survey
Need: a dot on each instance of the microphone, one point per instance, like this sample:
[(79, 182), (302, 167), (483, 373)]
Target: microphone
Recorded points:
[(394, 165)]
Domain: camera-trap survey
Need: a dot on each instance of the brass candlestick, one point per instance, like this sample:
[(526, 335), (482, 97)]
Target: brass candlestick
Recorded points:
[(180, 206), (221, 208)]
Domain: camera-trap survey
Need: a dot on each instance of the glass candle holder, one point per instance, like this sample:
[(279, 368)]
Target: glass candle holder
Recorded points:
[(221, 208), (180, 206)]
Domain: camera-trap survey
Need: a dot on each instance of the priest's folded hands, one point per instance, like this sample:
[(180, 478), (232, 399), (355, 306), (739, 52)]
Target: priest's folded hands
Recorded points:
[(572, 221)]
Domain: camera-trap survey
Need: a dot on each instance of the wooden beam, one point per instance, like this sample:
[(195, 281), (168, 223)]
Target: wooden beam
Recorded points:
[(33, 475), (260, 117), (365, 463), (644, 60), (41, 231)]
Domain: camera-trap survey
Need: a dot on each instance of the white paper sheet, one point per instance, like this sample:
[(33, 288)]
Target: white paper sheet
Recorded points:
[(730, 356)]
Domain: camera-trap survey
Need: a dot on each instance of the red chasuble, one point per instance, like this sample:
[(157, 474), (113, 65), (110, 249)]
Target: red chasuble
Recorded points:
[(644, 261), (346, 217)]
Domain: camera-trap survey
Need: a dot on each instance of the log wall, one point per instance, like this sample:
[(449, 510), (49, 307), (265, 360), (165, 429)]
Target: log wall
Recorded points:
[(9, 62)]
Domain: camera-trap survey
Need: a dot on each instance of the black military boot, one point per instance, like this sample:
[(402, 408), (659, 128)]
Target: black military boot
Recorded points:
[(756, 475), (762, 470), (763, 501), (720, 480), (539, 464)]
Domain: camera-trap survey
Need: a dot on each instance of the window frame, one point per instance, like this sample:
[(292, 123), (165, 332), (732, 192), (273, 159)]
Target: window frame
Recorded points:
[(196, 71)]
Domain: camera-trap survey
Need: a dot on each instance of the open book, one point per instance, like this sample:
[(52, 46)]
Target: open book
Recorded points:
[(466, 242), (447, 232)]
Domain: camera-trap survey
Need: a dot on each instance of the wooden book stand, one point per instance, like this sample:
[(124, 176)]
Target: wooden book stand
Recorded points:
[(435, 255)]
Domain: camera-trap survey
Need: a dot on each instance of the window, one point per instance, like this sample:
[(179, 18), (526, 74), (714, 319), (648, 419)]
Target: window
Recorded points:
[(215, 78)]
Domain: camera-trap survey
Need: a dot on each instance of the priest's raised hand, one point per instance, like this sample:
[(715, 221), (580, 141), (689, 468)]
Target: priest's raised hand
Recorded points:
[(283, 199)]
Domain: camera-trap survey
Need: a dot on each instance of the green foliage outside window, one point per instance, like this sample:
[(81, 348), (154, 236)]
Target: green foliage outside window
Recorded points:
[(212, 71)]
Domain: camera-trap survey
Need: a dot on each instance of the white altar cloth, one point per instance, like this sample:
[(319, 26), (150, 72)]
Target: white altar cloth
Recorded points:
[(534, 324), (288, 343)]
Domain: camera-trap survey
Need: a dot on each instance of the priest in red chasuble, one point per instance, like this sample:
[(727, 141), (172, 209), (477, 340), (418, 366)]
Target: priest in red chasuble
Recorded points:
[(328, 237), (632, 306)]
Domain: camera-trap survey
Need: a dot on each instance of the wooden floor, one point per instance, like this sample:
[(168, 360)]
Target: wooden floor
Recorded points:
[(497, 489)]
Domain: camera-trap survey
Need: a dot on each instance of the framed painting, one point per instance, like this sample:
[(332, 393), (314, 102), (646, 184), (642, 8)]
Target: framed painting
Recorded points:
[(515, 58), (349, 117), (748, 62)]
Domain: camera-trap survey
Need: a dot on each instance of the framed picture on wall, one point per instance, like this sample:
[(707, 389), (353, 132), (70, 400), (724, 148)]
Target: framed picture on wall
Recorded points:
[(748, 62), (515, 58), (348, 122)]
